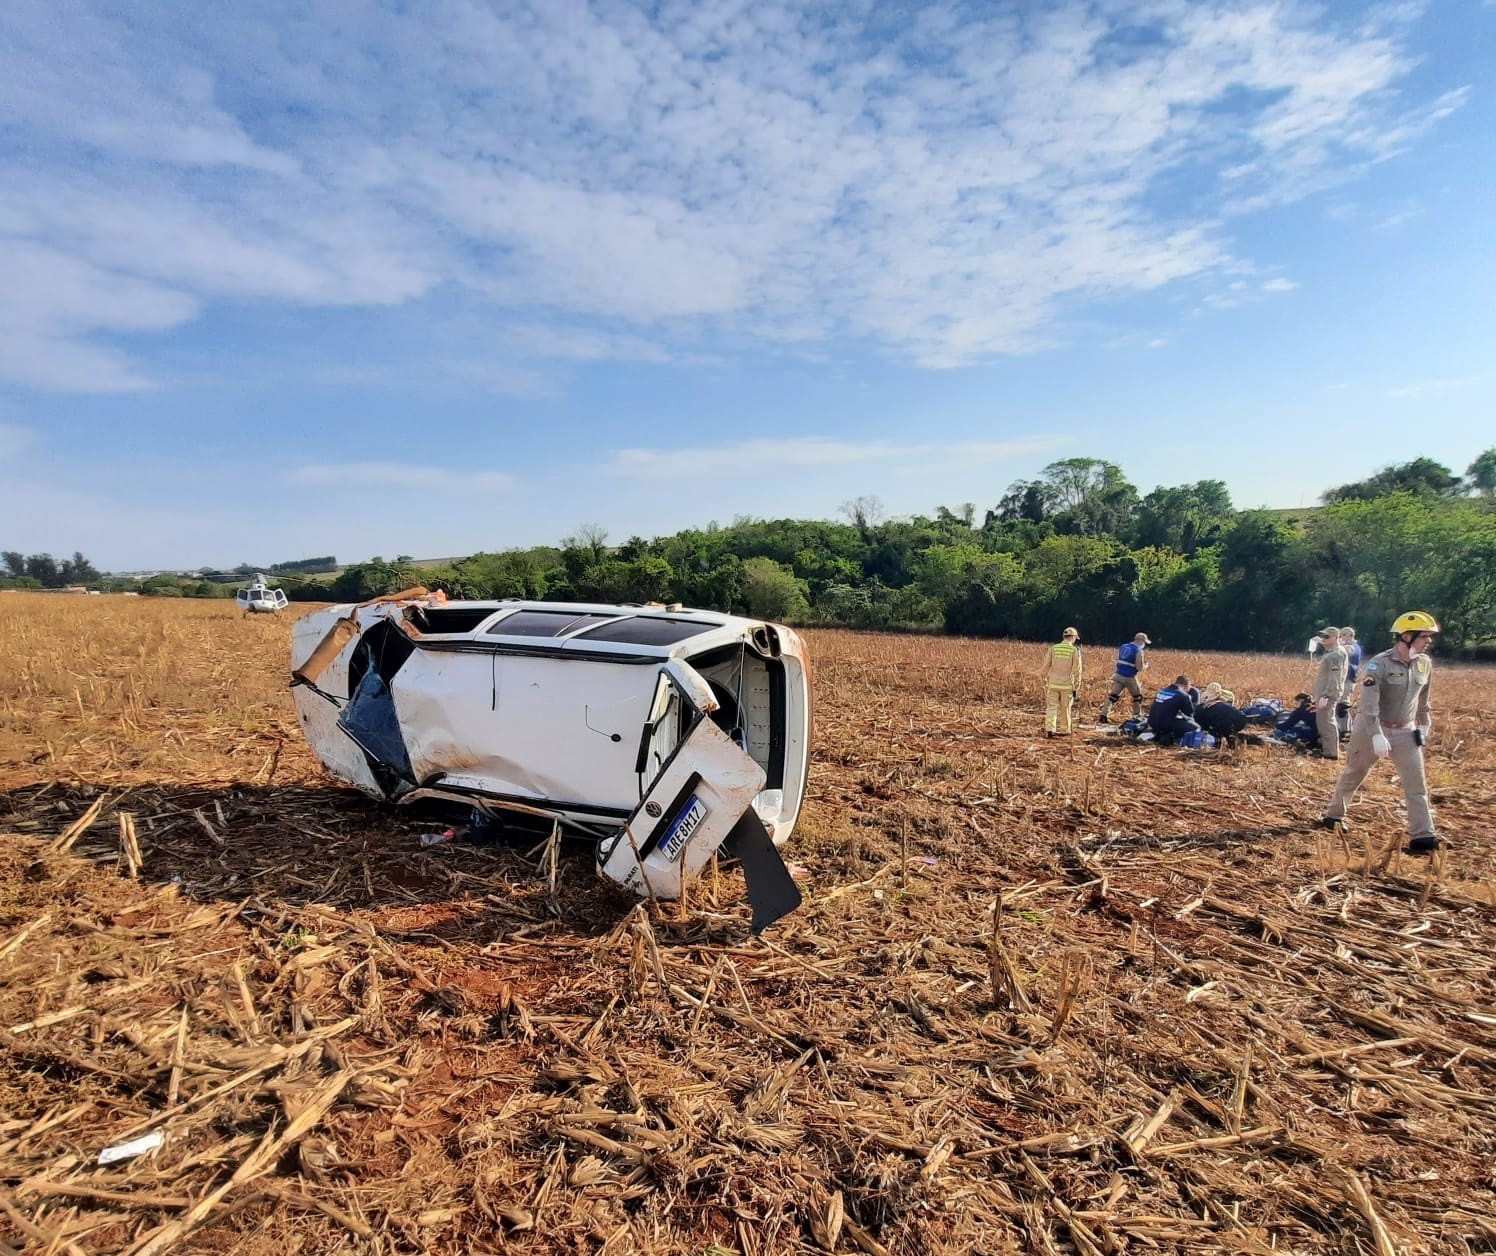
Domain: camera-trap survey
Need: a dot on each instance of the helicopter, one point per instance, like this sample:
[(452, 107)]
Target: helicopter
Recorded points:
[(258, 597)]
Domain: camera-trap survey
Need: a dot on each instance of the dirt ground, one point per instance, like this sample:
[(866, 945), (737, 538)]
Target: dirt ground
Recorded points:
[(1078, 995)]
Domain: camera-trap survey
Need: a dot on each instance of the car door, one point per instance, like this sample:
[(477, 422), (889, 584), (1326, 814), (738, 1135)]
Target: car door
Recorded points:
[(701, 798)]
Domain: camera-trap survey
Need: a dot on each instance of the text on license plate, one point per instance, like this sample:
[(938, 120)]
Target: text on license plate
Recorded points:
[(686, 823)]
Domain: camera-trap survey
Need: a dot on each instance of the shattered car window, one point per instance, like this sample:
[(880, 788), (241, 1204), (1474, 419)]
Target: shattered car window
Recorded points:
[(647, 630), (541, 623)]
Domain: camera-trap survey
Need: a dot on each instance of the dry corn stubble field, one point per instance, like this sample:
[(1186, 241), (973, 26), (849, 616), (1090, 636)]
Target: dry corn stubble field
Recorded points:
[(1060, 996)]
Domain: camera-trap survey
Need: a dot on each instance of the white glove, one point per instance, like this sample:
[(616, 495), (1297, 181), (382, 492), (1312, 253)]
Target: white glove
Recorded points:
[(1380, 745), (1322, 704)]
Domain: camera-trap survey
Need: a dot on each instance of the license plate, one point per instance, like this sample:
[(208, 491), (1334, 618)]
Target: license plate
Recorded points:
[(689, 820)]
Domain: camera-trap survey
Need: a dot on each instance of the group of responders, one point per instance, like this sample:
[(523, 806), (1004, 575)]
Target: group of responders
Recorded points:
[(1393, 717)]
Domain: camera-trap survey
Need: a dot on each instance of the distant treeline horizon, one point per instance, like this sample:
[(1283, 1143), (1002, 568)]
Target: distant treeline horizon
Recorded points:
[(1075, 546)]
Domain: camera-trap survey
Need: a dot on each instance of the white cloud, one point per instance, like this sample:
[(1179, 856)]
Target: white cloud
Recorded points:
[(1279, 285), (781, 457), (943, 185), (399, 476), (52, 297)]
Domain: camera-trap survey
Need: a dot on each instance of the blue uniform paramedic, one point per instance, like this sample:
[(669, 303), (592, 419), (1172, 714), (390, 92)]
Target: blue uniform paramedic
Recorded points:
[(1132, 662), (1173, 712)]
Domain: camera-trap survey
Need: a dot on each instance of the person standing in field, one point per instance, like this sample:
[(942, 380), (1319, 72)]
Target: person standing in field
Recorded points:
[(1062, 675), (1329, 680), (1352, 649), (1395, 718), (1132, 662)]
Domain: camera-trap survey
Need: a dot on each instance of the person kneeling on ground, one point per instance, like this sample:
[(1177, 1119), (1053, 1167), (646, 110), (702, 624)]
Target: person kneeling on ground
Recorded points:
[(1218, 715), (1300, 726), (1173, 712)]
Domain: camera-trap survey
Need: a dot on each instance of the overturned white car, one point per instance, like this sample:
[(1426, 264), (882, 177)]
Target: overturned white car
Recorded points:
[(665, 734)]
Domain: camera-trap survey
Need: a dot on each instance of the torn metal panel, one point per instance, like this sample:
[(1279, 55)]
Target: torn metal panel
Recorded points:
[(690, 808)]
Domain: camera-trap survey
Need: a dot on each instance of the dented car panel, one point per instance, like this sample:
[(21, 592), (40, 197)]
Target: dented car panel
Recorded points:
[(694, 803), (661, 732)]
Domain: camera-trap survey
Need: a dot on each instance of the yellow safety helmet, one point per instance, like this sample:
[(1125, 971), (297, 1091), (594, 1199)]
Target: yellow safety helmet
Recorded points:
[(1414, 621)]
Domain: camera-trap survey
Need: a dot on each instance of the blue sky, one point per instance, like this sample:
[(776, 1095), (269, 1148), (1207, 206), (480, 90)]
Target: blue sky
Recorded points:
[(363, 278)]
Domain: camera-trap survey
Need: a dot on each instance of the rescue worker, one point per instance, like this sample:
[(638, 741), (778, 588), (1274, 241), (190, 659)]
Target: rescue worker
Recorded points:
[(1329, 680), (1394, 719), (1298, 726), (1173, 712), (1218, 714), (1062, 674), (1132, 662), (1352, 649)]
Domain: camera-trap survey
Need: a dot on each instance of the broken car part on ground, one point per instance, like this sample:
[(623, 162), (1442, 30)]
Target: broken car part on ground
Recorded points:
[(663, 734)]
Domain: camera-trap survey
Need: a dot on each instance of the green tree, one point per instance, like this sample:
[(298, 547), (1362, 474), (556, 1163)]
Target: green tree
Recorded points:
[(1422, 477), (715, 585), (980, 590), (1265, 595), (1025, 499), (1367, 553), (1089, 496), (772, 591), (163, 584), (509, 574), (15, 562), (1481, 474), (645, 579), (1457, 575), (359, 581), (78, 570), (1185, 517), (707, 574), (43, 568), (586, 547)]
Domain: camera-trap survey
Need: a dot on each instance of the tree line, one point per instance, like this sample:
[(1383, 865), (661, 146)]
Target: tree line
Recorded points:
[(42, 571), (1076, 545)]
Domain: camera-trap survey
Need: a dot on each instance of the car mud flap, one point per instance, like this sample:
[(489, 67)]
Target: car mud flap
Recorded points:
[(371, 720), (772, 892)]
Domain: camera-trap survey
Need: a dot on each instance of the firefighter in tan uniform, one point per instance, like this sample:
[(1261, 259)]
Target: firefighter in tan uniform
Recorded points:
[(1062, 673), (1353, 655), (1329, 680), (1394, 719)]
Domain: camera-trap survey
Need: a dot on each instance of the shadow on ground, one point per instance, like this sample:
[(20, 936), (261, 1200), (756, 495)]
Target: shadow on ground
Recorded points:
[(282, 846)]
